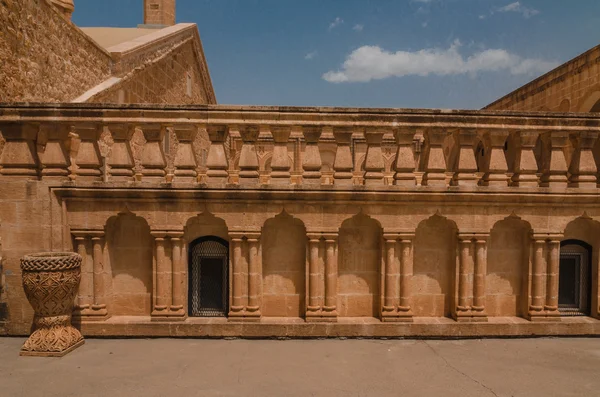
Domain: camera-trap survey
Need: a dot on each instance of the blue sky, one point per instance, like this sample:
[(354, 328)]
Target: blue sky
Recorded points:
[(373, 53)]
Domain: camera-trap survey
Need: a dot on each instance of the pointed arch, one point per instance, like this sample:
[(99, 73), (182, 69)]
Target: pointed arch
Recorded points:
[(283, 243), (129, 245), (508, 266), (205, 224), (434, 267), (359, 267)]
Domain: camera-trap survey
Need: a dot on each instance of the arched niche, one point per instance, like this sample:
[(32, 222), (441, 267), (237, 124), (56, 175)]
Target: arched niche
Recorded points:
[(587, 230), (205, 224), (434, 267), (508, 267), (130, 246), (359, 264), (283, 242)]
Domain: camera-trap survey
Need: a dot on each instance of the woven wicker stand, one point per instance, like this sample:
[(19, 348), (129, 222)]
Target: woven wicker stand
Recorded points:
[(51, 281)]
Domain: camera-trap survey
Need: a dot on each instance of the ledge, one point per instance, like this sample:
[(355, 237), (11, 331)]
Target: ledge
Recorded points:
[(423, 327)]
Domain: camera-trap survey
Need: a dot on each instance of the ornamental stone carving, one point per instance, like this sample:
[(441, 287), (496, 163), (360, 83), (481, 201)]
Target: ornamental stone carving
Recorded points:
[(51, 281)]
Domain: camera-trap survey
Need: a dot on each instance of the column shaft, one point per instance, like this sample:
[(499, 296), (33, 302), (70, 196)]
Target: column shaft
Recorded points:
[(480, 274), (406, 273), (552, 280), (537, 287), (178, 273), (392, 283), (86, 286), (313, 284), (254, 279), (465, 284), (98, 274), (331, 274), (237, 276), (162, 289)]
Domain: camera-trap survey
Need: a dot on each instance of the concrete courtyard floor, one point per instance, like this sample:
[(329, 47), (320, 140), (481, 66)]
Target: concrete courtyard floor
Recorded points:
[(192, 367)]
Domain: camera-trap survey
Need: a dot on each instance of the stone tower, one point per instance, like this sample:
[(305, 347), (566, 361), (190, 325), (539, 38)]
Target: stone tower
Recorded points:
[(159, 13)]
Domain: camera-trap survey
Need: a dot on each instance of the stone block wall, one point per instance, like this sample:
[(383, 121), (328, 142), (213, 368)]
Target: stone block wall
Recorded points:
[(172, 78), (572, 87), (45, 58)]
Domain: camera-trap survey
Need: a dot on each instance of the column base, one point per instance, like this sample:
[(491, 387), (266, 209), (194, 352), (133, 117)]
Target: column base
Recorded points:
[(470, 316), (324, 315), (251, 314), (399, 316), (538, 315), (93, 313)]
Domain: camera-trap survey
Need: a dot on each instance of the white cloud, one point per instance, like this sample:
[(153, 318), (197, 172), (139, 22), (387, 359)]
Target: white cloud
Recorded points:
[(336, 22), (519, 8), (424, 24), (374, 63), (311, 55), (358, 27), (482, 16)]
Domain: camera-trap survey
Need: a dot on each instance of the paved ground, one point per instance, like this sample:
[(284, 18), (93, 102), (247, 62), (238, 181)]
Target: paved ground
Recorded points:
[(189, 367)]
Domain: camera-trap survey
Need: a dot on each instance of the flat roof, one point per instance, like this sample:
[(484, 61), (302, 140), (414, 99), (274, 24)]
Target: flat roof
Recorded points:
[(108, 37)]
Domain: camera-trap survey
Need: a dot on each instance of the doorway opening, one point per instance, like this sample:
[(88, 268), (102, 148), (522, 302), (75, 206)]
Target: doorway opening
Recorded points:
[(574, 280), (208, 277)]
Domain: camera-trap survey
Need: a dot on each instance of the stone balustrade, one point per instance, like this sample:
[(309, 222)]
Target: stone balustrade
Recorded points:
[(217, 145)]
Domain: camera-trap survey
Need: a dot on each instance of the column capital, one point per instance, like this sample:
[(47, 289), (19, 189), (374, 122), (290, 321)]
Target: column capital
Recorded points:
[(466, 237), (391, 236), (547, 236), (314, 236), (175, 234), (159, 234), (253, 236)]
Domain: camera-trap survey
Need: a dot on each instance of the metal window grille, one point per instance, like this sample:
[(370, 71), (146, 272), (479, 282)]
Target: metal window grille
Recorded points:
[(209, 259), (577, 257)]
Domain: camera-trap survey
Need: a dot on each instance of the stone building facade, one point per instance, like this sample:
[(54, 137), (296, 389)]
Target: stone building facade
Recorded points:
[(200, 219), (572, 87)]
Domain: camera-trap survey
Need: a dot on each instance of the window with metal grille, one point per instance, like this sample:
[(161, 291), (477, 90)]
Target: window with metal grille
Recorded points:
[(574, 280), (208, 277)]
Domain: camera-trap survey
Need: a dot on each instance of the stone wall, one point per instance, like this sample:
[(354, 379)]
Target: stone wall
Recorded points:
[(572, 87), (172, 78), (45, 58)]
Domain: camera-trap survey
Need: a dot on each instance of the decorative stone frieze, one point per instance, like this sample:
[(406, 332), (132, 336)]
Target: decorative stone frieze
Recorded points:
[(280, 162), (216, 161), (312, 163), (248, 156)]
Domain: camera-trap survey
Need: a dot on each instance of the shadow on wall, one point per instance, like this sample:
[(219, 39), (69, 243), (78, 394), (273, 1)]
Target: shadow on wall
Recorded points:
[(359, 267), (434, 267), (284, 259), (130, 248), (508, 264)]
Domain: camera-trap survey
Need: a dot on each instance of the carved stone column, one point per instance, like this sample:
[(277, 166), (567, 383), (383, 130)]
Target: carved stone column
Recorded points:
[(406, 272), (280, 162), (391, 294), (557, 165), (162, 300), (466, 170), (216, 161), (374, 164), (237, 276), (313, 309), (551, 306), (153, 156), (312, 156), (583, 169), (496, 173), (343, 164), (177, 309), (99, 307), (331, 274), (90, 246), (465, 277), (254, 275), (536, 307), (405, 158), (526, 168), (248, 157), (185, 160), (435, 164), (478, 308), (86, 286)]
